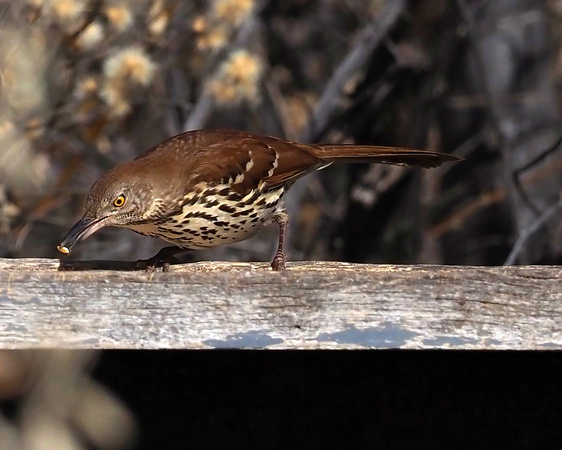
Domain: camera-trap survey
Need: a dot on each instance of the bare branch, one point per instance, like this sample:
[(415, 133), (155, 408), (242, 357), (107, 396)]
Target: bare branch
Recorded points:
[(369, 38), (517, 173), (535, 226)]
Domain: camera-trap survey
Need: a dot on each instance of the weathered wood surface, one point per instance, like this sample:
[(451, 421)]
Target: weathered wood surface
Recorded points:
[(312, 305)]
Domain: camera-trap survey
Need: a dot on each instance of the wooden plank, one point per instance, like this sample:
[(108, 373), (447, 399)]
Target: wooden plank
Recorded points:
[(311, 306)]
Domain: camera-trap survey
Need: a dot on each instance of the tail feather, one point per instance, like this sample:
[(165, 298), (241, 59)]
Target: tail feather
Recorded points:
[(382, 155)]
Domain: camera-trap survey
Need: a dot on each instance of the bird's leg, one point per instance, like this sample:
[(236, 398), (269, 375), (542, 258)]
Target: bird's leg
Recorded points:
[(280, 258), (163, 259)]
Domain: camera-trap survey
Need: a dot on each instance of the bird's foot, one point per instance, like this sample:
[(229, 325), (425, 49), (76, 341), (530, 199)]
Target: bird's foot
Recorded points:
[(164, 258), (279, 262)]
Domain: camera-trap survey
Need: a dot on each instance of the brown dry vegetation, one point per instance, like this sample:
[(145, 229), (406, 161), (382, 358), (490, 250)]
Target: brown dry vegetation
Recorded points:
[(86, 85)]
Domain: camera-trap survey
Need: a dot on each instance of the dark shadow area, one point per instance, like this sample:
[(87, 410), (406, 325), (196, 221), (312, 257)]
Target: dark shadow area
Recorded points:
[(67, 265), (346, 399)]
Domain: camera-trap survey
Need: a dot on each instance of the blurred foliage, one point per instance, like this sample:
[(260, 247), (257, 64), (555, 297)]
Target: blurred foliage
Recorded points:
[(86, 85), (51, 402)]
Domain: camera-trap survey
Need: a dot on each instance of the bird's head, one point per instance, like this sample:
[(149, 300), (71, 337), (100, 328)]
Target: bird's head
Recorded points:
[(121, 198)]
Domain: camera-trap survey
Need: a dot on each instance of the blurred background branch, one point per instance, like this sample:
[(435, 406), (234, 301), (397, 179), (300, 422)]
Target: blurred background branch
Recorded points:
[(86, 85)]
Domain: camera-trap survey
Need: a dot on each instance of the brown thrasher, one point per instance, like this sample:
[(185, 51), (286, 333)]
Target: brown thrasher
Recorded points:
[(207, 188)]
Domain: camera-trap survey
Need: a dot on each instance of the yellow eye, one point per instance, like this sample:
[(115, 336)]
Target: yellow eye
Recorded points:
[(119, 201)]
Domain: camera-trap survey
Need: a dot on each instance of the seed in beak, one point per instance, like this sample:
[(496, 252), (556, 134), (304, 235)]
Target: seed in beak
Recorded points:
[(63, 250)]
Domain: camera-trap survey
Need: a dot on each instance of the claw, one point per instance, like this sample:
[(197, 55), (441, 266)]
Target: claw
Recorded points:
[(164, 258), (278, 263)]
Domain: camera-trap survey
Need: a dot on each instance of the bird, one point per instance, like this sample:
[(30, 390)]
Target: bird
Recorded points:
[(207, 188)]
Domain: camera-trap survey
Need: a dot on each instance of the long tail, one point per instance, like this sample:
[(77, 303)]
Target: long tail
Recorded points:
[(382, 155)]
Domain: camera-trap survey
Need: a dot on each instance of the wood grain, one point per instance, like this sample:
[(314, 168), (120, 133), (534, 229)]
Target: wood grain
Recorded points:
[(311, 306)]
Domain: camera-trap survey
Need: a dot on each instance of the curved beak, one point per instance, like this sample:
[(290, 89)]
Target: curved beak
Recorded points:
[(83, 229)]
